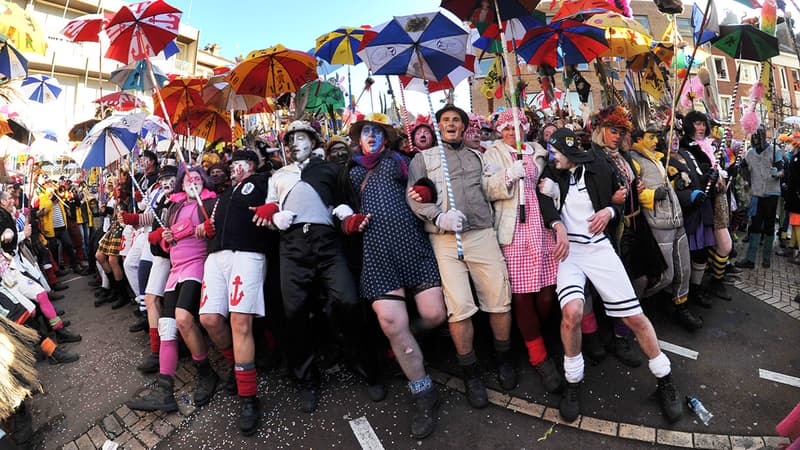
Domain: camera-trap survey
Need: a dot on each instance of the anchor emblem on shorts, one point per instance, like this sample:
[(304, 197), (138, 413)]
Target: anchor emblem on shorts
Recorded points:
[(237, 296)]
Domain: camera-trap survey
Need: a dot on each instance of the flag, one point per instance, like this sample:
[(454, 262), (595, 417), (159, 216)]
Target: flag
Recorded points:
[(630, 90), (766, 80), (653, 81), (493, 80), (712, 25)]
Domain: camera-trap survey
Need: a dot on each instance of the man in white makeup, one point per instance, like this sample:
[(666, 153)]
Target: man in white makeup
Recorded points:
[(301, 203)]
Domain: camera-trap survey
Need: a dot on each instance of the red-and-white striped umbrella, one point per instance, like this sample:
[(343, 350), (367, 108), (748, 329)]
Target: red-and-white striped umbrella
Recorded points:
[(450, 81), (142, 29), (86, 28), (541, 101), (122, 101)]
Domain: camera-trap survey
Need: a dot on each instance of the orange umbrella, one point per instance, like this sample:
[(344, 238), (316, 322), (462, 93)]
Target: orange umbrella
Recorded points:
[(273, 71), (5, 128), (180, 94), (210, 124), (575, 8)]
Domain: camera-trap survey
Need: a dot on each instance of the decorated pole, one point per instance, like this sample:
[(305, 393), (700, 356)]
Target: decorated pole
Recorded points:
[(405, 117)]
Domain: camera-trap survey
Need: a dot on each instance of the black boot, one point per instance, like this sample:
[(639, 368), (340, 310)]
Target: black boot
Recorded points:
[(121, 295), (668, 397), (423, 417), (593, 348), (150, 364), (61, 356), (309, 396), (475, 390), (718, 289), (506, 374), (687, 319), (64, 336), (231, 388), (551, 377), (207, 381), (621, 348), (140, 325), (249, 417), (103, 296), (160, 397), (698, 296), (570, 406)]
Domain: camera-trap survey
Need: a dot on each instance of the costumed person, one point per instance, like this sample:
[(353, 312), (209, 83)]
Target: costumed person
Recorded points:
[(762, 159), (695, 177), (234, 279), (393, 269), (482, 261), (423, 136), (53, 219), (583, 219), (301, 200), (337, 150), (483, 12), (19, 381), (107, 254), (792, 198), (527, 245), (187, 254), (662, 210), (220, 176)]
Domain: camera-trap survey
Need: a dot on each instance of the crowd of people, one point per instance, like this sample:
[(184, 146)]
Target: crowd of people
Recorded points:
[(411, 229)]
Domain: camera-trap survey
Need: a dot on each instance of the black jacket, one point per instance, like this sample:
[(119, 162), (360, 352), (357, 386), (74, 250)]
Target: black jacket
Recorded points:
[(233, 220), (8, 221)]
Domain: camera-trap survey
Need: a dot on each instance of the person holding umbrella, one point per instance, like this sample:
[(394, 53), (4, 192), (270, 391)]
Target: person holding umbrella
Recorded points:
[(482, 260), (581, 220)]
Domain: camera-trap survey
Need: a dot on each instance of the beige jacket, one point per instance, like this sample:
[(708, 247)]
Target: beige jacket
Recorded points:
[(504, 198)]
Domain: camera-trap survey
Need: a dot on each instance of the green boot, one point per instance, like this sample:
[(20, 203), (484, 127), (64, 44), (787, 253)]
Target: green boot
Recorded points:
[(766, 254), (752, 247)]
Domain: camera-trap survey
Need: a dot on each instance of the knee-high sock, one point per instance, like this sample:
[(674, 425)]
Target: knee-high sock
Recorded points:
[(48, 311), (168, 352), (697, 273), (717, 264)]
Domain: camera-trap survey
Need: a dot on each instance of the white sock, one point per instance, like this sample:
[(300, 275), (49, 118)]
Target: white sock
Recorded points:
[(573, 368), (660, 365)]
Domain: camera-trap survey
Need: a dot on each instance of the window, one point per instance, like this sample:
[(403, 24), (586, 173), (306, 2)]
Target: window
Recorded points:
[(749, 73), (721, 68), (644, 21), (685, 29), (724, 106), (795, 75), (784, 80), (797, 101)]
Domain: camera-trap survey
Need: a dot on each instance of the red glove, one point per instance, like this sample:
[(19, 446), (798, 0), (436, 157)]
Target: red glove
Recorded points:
[(424, 192), (208, 227), (353, 222), (155, 236), (267, 211), (130, 218), (138, 196)]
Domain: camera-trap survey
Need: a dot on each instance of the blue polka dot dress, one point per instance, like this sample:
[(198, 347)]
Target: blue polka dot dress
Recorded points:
[(397, 252)]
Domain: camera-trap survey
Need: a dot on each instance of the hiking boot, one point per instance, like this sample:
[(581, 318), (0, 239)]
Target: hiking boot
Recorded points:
[(718, 289), (551, 377), (249, 416), (423, 417), (309, 397), (475, 390), (62, 356), (699, 297), (64, 336), (593, 348), (150, 364), (506, 374), (140, 325), (121, 301), (621, 348), (668, 397), (687, 319), (230, 386), (160, 397), (570, 406), (206, 386), (745, 264)]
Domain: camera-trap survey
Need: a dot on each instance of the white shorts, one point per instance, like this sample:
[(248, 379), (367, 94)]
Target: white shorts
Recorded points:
[(157, 280), (147, 255), (600, 264), (233, 282), (127, 240)]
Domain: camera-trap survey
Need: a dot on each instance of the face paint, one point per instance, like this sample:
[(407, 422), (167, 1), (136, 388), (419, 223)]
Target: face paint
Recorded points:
[(423, 138), (561, 161), (239, 170), (372, 139), (168, 184), (192, 184), (300, 146)]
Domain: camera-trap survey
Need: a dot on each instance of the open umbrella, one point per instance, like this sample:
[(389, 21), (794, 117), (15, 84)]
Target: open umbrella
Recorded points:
[(581, 9), (40, 88), (659, 52), (86, 28), (12, 63), (320, 97), (135, 77), (121, 101), (452, 79), (470, 10), (141, 30), (109, 140), (746, 42), (79, 131), (541, 101), (273, 71), (22, 28), (515, 30), (340, 46), (266, 105), (210, 124), (218, 93), (155, 127), (626, 37), (180, 94), (564, 42)]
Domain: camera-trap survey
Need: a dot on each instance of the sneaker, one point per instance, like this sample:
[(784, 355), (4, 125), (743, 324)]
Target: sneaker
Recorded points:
[(784, 252), (475, 390), (160, 397), (423, 417), (150, 364), (506, 374), (570, 406), (593, 348), (621, 348), (551, 377), (206, 386), (668, 397), (62, 356), (732, 269), (64, 336), (687, 319), (249, 416)]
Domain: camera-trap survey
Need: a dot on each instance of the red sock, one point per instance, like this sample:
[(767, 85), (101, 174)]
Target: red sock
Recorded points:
[(228, 354), (790, 426), (155, 340), (588, 324), (536, 351), (246, 380)]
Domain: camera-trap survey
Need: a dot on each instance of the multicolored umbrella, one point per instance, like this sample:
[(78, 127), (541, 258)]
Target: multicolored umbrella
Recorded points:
[(340, 46), (626, 37), (273, 71), (121, 101), (470, 10), (746, 42), (179, 95), (40, 88), (564, 42), (109, 140), (582, 9), (541, 100), (86, 28), (210, 124), (12, 63), (515, 30), (427, 46), (219, 94), (136, 77), (452, 79), (155, 126), (141, 30), (22, 28)]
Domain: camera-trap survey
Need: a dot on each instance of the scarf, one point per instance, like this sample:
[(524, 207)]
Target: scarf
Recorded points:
[(622, 165), (371, 160)]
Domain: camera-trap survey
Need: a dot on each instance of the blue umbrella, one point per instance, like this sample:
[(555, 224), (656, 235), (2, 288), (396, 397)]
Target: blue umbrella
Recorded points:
[(12, 63), (41, 88), (109, 140), (135, 77)]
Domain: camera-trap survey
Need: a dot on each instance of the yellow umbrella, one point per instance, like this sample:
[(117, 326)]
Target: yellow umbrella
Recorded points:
[(273, 71), (626, 37), (22, 29), (340, 46)]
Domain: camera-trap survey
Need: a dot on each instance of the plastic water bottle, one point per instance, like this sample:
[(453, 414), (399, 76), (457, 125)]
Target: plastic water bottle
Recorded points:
[(697, 407)]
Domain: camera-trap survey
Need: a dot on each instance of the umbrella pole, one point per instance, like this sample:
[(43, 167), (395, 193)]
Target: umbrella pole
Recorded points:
[(405, 117), (514, 106), (157, 88), (703, 26), (350, 91)]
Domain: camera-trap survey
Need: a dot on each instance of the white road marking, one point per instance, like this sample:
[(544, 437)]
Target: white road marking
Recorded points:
[(71, 279), (779, 377), (365, 434), (678, 350)]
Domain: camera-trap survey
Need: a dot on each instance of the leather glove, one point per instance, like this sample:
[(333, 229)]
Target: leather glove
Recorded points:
[(698, 197), (283, 219), (342, 212), (660, 193), (452, 220), (516, 171)]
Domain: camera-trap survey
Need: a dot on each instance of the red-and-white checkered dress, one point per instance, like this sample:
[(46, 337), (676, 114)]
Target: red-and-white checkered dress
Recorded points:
[(531, 265)]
